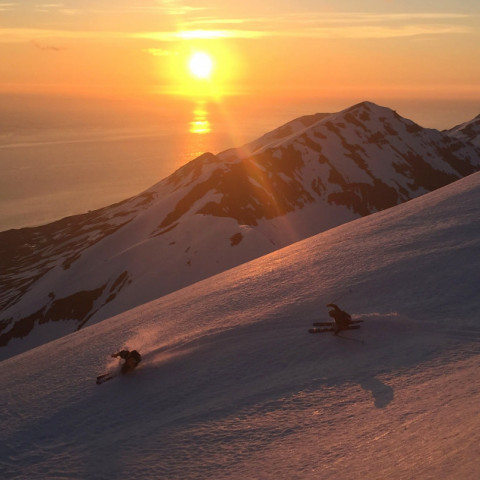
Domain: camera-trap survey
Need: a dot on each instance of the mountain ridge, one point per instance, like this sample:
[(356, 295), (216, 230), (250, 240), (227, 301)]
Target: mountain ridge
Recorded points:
[(219, 211), (469, 131)]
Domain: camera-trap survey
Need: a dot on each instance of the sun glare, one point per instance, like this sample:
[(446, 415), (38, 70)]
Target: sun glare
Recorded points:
[(200, 65), (201, 73)]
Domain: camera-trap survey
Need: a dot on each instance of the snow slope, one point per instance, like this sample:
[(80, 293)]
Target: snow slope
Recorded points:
[(232, 386), (215, 213), (468, 131)]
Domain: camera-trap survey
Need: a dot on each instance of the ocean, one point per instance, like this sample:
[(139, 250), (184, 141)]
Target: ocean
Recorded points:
[(64, 156)]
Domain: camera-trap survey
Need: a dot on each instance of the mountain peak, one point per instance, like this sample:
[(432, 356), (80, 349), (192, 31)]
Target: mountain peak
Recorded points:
[(367, 106), (218, 211)]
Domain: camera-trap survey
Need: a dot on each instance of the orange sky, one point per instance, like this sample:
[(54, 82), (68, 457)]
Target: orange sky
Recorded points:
[(306, 48)]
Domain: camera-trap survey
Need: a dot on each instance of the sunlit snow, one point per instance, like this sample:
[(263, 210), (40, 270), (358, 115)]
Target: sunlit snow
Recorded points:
[(232, 386)]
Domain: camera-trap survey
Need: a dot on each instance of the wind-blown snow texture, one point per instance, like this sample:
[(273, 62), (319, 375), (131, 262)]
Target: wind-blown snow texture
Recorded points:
[(217, 212), (232, 386)]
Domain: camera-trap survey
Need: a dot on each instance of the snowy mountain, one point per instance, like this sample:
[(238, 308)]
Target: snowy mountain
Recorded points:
[(232, 386), (468, 131), (217, 212)]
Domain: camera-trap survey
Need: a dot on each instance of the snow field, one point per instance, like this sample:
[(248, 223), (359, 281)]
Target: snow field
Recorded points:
[(232, 386)]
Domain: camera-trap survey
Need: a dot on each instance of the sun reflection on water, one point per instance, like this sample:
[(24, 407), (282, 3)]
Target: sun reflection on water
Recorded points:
[(200, 123)]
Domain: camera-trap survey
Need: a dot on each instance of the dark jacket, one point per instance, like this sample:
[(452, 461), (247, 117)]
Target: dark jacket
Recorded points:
[(132, 359), (342, 318)]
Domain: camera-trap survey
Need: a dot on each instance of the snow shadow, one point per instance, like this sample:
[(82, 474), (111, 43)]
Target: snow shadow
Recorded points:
[(383, 394)]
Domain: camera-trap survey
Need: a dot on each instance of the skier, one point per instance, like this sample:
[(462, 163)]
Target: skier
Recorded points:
[(132, 359), (342, 319)]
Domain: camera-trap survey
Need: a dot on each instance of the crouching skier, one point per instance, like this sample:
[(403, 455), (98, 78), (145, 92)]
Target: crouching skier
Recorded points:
[(132, 359), (342, 319)]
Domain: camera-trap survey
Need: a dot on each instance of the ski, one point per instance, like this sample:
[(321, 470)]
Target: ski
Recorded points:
[(328, 324), (331, 329), (105, 377)]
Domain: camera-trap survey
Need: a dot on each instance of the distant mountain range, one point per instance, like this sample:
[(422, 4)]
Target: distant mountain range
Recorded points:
[(218, 211)]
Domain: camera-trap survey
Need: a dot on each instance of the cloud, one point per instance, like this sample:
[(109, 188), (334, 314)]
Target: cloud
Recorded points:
[(39, 35), (5, 7), (50, 5), (200, 34), (71, 11), (331, 25), (60, 8), (314, 25), (172, 7), (163, 7), (375, 32), (45, 47)]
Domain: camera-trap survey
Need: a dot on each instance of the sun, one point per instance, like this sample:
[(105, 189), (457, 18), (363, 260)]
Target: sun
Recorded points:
[(200, 65)]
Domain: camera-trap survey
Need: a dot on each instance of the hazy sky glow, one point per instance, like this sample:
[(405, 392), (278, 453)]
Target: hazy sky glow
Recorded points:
[(302, 48), (102, 98)]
